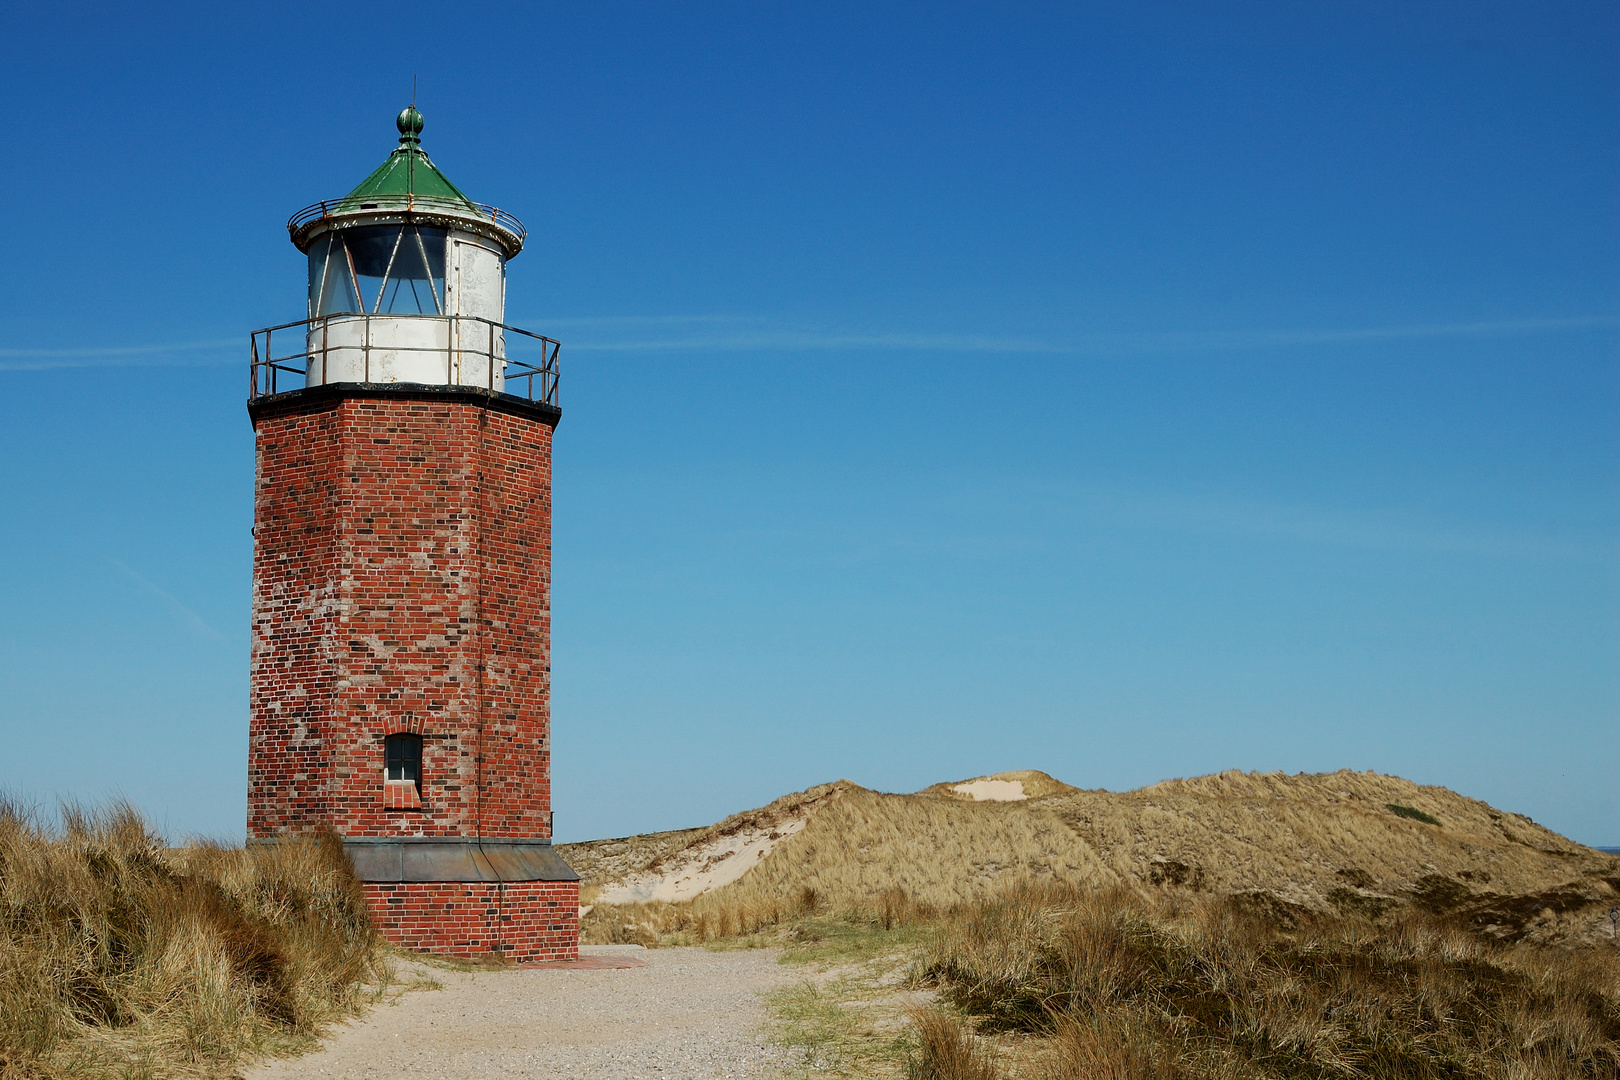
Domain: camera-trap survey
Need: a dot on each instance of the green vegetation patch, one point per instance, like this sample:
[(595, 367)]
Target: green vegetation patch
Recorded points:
[(816, 1022), (825, 941), (1412, 812), (848, 1019)]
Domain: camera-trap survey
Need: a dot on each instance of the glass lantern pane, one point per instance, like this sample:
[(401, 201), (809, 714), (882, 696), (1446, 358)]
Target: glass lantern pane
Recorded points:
[(371, 249), (330, 288), (415, 284)]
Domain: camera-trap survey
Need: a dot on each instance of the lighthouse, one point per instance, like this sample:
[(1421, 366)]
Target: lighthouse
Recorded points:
[(401, 646)]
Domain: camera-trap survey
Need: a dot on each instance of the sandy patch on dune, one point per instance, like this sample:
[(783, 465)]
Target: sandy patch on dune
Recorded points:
[(992, 790), (703, 866)]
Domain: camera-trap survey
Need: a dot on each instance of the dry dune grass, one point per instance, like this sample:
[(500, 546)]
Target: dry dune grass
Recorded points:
[(1225, 927), (888, 857), (1127, 986), (121, 958), (609, 860), (1313, 839), (947, 1049), (1347, 842), (942, 852), (599, 862)]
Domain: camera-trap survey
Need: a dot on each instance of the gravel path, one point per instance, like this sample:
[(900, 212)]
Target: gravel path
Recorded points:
[(689, 1013)]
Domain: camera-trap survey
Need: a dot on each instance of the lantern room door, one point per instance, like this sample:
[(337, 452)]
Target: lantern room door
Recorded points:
[(478, 292)]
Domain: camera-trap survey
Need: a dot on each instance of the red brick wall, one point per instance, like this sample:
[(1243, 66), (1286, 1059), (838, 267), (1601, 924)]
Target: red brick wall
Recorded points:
[(401, 582), (526, 921)]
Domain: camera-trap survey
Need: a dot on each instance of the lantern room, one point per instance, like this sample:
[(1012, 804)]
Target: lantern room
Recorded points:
[(407, 284)]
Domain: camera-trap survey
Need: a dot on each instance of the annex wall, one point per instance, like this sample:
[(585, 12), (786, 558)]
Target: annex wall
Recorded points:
[(526, 922)]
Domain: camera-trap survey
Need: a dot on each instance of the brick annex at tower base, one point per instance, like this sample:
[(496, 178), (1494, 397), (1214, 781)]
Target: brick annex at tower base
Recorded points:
[(401, 666)]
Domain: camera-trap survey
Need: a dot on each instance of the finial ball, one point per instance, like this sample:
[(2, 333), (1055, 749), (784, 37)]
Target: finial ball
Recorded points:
[(409, 122)]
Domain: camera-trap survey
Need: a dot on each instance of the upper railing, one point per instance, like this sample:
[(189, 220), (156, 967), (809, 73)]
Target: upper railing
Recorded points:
[(306, 347), (407, 204)]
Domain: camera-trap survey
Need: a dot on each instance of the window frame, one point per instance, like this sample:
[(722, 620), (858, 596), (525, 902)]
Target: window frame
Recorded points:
[(407, 741)]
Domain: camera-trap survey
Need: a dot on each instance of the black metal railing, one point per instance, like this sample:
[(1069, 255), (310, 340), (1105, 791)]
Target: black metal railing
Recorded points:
[(407, 204), (309, 341)]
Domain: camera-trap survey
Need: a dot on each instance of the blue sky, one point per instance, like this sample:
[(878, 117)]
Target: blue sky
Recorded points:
[(1126, 391)]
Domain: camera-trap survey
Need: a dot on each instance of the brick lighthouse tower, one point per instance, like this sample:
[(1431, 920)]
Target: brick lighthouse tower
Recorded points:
[(401, 666)]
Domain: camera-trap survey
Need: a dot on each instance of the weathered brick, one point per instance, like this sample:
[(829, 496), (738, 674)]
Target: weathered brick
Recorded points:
[(402, 583)]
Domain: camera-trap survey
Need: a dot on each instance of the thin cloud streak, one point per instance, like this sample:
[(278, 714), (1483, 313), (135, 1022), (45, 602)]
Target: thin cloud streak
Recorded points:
[(1093, 344), (1305, 524), (1100, 345), (648, 320), (121, 356), (802, 341), (195, 622)]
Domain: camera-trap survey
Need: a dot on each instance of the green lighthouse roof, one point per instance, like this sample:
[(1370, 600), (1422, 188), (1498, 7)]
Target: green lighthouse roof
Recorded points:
[(407, 186), (408, 173)]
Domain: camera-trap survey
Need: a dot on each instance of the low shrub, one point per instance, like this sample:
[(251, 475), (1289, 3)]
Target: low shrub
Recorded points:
[(947, 1050), (1128, 986), (1412, 813)]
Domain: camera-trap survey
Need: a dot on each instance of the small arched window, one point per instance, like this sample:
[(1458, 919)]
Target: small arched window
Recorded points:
[(402, 770)]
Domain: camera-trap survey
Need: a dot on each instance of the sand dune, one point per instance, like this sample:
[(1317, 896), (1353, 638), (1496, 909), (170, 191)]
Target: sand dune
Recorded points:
[(1343, 840)]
